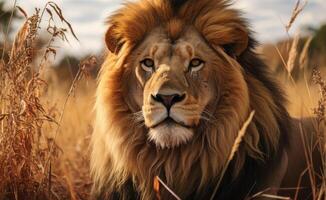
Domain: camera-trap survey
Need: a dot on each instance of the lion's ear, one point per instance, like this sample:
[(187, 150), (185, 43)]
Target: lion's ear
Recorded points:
[(237, 41), (233, 38), (112, 40)]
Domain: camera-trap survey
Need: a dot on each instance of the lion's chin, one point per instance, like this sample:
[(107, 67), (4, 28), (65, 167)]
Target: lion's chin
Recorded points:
[(170, 135)]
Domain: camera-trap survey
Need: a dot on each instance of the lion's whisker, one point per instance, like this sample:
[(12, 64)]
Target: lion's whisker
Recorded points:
[(140, 125), (209, 115), (206, 119), (138, 116)]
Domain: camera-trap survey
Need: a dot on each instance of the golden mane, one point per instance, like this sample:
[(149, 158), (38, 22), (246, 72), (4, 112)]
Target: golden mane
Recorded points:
[(121, 153)]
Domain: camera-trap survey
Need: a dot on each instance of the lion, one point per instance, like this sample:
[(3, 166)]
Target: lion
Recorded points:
[(180, 79)]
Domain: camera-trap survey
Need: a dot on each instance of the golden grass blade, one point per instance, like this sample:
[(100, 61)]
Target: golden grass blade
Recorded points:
[(322, 192), (298, 8), (58, 10), (304, 53), (293, 54), (241, 134), (20, 39), (308, 158), (275, 197), (22, 11), (167, 188), (156, 186), (234, 149), (7, 31), (281, 56)]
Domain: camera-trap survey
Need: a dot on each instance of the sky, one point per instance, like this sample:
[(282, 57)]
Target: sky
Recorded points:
[(267, 18)]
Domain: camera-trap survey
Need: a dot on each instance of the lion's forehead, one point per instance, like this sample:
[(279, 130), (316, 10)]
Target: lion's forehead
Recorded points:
[(164, 50)]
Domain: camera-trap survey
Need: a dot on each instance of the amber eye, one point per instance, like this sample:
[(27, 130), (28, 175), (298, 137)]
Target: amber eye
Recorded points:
[(196, 64), (148, 65)]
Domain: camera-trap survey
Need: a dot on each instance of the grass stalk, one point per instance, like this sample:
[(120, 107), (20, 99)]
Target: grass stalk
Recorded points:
[(234, 149)]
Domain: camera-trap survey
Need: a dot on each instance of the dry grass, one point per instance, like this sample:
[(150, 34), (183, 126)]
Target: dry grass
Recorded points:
[(320, 112), (234, 149), (34, 162), (298, 8), (304, 97), (23, 117), (293, 54), (304, 54)]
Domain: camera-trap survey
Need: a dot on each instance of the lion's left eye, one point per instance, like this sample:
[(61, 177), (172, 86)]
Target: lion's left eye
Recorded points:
[(148, 65), (196, 64)]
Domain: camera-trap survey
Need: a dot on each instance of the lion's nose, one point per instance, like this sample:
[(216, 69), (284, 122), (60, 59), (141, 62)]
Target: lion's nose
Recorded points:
[(169, 100)]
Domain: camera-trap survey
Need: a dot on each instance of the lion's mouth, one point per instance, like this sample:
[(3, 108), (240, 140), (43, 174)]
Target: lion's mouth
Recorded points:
[(170, 134), (168, 129), (169, 121)]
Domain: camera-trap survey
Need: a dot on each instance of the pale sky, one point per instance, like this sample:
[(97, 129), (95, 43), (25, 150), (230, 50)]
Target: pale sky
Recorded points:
[(267, 18)]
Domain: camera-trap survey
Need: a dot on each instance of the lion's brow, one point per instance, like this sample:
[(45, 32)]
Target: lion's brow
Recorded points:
[(176, 4)]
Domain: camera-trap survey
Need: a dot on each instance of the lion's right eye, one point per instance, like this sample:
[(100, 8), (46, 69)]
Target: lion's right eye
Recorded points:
[(148, 65), (196, 64)]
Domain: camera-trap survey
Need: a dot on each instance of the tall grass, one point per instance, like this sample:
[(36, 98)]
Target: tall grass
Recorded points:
[(318, 113), (32, 165)]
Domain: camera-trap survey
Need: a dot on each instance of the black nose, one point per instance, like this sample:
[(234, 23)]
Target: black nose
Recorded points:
[(169, 100)]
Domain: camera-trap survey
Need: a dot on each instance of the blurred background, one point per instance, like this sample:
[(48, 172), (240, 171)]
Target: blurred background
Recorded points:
[(267, 19)]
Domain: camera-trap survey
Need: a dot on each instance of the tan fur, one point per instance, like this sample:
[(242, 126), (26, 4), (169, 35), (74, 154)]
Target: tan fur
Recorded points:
[(121, 149)]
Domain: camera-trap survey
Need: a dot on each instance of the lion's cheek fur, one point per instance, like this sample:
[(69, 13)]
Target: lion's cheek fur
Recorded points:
[(234, 99), (109, 134)]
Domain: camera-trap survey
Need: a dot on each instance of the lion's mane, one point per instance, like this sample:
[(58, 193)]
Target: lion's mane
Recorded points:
[(123, 160)]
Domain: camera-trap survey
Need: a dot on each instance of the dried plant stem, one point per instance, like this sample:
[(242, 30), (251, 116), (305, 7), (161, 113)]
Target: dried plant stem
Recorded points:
[(298, 8), (322, 192), (52, 145), (58, 11), (309, 162), (279, 53), (2, 82), (304, 53), (2, 112), (42, 13), (293, 54), (285, 66), (292, 81), (269, 196), (320, 113), (7, 31), (299, 183), (234, 149), (44, 57), (307, 87), (167, 188)]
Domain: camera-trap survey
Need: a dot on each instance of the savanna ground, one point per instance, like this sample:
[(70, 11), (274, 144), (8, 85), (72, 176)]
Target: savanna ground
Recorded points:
[(46, 106)]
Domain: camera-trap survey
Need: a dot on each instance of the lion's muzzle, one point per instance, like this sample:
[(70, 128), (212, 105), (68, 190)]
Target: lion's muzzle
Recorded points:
[(168, 100), (169, 121)]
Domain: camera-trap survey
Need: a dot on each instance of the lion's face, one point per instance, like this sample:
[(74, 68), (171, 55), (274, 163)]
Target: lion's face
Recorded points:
[(175, 85)]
